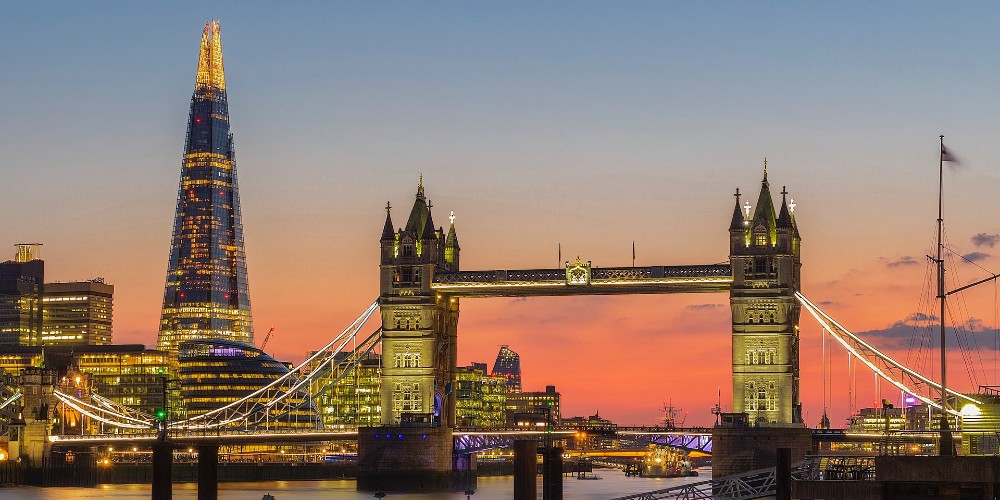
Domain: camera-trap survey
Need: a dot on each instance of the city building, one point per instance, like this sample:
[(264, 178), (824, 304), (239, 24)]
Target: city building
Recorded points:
[(214, 373), (22, 283), (480, 399), (351, 398), (206, 294), (533, 408), (127, 374), (878, 420), (981, 423), (77, 313), (593, 422), (508, 365)]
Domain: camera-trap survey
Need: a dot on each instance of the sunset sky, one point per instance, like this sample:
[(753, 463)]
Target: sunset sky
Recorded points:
[(588, 125)]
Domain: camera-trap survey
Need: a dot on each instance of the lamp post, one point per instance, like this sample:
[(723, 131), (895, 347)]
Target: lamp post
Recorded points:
[(886, 407)]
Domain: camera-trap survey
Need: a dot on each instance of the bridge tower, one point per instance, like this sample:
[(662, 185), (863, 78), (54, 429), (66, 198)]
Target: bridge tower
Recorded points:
[(419, 326), (413, 449), (765, 257), (764, 253)]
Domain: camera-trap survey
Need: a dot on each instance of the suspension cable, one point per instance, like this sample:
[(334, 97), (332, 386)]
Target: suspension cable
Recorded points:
[(834, 327)]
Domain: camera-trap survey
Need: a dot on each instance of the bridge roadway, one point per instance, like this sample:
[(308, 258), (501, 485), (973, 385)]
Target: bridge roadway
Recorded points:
[(584, 280), (470, 440), (241, 436)]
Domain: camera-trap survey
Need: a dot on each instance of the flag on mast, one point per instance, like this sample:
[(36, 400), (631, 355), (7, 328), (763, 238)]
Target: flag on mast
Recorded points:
[(947, 156), (560, 255), (633, 253)]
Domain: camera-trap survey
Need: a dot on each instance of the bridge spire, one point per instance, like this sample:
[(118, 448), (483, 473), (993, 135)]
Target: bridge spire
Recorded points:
[(387, 230), (764, 213), (451, 248), (428, 233), (738, 221), (785, 217), (419, 212)]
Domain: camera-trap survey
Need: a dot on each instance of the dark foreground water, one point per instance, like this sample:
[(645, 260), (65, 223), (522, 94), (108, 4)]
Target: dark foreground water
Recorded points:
[(613, 484)]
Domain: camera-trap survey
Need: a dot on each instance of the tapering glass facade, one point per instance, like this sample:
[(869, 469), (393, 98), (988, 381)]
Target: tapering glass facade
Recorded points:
[(508, 364), (206, 294)]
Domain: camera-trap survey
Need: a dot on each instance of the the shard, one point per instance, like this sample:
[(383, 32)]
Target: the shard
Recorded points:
[(206, 295)]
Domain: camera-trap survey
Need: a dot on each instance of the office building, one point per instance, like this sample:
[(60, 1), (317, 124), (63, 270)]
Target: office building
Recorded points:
[(480, 399), (533, 408), (77, 313), (351, 398), (508, 365), (22, 283), (215, 373)]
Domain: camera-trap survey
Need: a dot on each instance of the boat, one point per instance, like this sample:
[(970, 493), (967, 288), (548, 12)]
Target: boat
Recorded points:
[(590, 477), (666, 461)]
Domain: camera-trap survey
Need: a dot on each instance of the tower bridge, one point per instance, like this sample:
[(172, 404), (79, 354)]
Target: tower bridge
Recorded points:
[(422, 283)]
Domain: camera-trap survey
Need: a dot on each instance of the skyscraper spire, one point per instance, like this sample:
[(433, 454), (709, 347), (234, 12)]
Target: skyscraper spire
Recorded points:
[(206, 294), (210, 74)]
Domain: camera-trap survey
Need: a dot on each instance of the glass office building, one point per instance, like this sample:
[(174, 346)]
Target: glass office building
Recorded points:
[(214, 373), (206, 293)]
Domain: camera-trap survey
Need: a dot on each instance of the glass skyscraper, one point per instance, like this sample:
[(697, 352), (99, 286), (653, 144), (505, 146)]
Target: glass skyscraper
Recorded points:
[(508, 364), (206, 294)]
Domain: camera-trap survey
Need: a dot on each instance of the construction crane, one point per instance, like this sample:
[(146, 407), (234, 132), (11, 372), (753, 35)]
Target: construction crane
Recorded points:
[(266, 338)]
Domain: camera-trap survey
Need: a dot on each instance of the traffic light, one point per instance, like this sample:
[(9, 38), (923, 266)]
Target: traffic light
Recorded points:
[(160, 414)]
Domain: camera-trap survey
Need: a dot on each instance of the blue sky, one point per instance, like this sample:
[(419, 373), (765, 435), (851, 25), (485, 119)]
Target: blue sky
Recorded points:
[(585, 124)]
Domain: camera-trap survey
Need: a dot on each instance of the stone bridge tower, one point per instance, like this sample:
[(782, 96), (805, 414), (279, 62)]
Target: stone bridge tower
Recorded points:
[(764, 253), (419, 326)]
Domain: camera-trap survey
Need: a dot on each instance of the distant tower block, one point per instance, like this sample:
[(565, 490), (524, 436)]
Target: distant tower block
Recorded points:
[(206, 295), (508, 364), (764, 253)]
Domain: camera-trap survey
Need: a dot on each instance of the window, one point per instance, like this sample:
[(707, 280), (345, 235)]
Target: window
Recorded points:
[(406, 397)]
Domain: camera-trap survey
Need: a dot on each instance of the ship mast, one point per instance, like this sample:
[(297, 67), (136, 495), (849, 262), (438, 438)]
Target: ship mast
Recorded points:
[(946, 447)]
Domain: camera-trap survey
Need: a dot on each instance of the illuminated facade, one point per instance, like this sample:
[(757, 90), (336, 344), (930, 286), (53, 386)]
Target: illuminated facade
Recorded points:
[(77, 313), (533, 408), (206, 293), (22, 283), (766, 266), (354, 398), (480, 400), (214, 373), (128, 374), (508, 365)]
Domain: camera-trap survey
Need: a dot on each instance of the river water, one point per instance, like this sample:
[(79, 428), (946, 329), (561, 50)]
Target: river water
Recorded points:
[(613, 483)]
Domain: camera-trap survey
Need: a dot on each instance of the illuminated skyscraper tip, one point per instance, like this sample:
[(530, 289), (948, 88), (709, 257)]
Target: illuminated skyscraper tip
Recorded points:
[(206, 295), (210, 70)]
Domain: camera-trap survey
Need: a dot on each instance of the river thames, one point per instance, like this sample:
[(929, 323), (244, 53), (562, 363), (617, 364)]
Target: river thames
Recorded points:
[(613, 483)]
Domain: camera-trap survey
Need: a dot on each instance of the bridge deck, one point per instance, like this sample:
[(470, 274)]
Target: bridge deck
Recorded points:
[(592, 281)]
